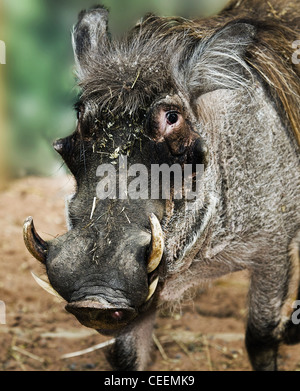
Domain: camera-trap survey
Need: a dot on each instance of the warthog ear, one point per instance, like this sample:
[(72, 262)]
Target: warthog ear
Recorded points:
[(90, 34), (218, 62)]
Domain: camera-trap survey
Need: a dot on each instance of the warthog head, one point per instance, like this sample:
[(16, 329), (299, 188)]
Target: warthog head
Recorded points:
[(107, 265)]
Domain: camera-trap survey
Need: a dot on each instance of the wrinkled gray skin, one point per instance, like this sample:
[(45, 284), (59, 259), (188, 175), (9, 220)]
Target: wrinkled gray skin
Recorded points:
[(246, 215)]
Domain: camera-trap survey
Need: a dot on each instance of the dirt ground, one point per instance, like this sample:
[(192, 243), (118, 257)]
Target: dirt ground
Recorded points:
[(205, 334)]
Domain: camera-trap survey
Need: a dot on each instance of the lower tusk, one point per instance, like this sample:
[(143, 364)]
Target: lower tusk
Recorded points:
[(46, 286), (152, 288)]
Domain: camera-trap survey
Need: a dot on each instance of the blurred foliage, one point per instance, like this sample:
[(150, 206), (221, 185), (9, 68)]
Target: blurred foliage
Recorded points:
[(39, 82)]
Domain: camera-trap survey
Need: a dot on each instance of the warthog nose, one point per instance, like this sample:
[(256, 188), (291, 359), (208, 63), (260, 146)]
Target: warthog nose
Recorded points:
[(101, 317)]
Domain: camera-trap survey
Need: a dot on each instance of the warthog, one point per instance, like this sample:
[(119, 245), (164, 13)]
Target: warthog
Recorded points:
[(221, 93)]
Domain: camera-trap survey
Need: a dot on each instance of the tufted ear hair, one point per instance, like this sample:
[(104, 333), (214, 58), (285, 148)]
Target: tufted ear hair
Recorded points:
[(219, 62), (90, 36)]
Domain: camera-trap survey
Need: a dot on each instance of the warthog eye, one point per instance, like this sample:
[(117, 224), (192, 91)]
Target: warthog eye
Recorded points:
[(172, 117), (79, 108)]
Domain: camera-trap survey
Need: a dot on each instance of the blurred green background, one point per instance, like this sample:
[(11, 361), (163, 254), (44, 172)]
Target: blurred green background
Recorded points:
[(37, 82)]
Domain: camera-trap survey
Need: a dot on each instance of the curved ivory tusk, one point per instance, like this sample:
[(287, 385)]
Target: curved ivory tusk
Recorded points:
[(46, 286), (152, 288), (157, 244), (34, 243)]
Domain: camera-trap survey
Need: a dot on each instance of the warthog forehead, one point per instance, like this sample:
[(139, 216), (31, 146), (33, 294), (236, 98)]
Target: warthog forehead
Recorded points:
[(125, 81)]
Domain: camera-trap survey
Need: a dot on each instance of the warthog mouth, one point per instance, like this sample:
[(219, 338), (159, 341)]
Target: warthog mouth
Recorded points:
[(103, 317)]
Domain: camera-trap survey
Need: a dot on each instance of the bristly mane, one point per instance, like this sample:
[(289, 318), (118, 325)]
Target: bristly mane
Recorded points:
[(129, 74)]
